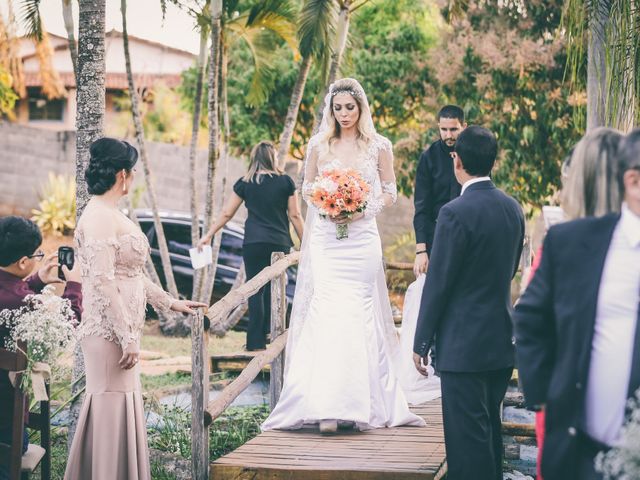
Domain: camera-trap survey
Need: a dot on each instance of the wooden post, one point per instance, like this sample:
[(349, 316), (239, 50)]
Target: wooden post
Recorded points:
[(199, 398), (278, 323)]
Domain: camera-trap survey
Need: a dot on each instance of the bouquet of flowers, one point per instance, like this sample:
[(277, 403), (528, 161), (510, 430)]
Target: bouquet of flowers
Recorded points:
[(623, 461), (46, 324), (340, 193)]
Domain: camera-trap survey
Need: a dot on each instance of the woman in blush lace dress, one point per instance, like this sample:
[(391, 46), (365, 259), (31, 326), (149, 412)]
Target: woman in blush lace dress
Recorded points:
[(111, 440), (342, 346)]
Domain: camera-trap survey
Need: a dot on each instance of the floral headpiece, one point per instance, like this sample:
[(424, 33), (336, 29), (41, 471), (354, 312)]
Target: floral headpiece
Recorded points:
[(351, 92)]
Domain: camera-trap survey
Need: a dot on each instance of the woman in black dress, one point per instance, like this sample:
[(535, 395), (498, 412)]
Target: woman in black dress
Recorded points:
[(272, 201)]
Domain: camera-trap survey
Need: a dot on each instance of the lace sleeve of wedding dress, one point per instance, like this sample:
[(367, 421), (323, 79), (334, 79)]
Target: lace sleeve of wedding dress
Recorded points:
[(388, 193), (160, 300), (310, 169), (106, 301)]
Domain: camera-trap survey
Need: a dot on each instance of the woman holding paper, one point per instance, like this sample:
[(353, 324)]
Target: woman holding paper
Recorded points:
[(272, 202)]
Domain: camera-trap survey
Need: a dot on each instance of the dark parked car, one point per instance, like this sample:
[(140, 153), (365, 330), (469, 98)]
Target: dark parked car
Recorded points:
[(177, 230)]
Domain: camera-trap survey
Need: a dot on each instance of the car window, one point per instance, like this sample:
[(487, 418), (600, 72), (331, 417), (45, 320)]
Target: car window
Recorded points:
[(178, 237), (230, 250)]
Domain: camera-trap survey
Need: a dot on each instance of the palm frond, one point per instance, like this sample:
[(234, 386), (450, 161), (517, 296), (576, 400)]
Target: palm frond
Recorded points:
[(31, 19), (616, 25), (282, 8), (316, 28), (262, 46)]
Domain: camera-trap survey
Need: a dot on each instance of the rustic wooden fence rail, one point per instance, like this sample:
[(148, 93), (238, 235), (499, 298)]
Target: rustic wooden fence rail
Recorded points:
[(204, 412)]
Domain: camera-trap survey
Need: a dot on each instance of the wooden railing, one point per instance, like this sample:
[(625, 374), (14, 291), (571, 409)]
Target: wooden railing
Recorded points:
[(205, 412)]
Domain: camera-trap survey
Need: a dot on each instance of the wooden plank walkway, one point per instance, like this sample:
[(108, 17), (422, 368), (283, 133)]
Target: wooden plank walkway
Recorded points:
[(402, 453)]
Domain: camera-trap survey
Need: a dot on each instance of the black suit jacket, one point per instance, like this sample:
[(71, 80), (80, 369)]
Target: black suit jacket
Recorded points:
[(554, 322), (435, 186), (466, 300)]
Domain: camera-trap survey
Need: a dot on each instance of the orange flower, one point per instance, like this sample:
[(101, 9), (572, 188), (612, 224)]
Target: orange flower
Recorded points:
[(318, 197), (350, 205), (331, 207)]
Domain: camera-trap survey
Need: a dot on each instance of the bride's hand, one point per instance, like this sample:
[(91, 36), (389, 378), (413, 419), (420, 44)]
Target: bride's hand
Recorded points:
[(342, 219)]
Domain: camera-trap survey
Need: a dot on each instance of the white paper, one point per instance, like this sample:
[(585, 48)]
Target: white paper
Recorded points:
[(552, 215), (202, 258)]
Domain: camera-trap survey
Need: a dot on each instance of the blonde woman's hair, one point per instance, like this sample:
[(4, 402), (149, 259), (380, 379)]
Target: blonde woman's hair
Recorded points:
[(263, 158), (591, 187), (351, 87)]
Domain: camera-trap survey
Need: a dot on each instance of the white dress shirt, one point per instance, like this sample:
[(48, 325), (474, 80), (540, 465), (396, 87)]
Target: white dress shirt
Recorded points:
[(614, 333), (472, 181)]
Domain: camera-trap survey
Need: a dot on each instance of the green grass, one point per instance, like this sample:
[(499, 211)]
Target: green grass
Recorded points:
[(151, 383), (154, 341)]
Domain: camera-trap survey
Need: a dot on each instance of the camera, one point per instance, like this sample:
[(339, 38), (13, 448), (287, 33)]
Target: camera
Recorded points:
[(65, 257)]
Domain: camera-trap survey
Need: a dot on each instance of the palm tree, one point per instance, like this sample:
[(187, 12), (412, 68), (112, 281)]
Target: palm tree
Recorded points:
[(52, 86), (214, 128), (137, 122), (255, 27), (610, 30), (89, 127), (315, 28)]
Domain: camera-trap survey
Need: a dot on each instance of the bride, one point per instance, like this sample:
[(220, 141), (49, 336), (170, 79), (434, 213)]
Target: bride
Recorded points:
[(342, 341)]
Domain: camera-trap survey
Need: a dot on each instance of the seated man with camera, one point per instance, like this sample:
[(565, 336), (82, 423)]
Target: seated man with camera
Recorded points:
[(20, 253)]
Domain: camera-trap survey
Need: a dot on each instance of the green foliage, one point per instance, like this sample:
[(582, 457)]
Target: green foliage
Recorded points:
[(174, 434), (392, 41), (56, 212), (250, 124), (401, 250), (158, 382), (236, 427), (164, 119), (615, 24), (7, 96), (506, 69)]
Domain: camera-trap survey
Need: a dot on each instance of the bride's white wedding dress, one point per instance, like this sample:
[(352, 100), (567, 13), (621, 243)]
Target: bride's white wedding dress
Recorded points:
[(343, 346)]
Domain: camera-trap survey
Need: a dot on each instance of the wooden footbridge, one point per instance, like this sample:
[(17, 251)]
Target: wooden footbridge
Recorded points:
[(401, 453)]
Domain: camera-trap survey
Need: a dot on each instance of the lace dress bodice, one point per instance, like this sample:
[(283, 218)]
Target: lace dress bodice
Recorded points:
[(375, 165), (115, 288)]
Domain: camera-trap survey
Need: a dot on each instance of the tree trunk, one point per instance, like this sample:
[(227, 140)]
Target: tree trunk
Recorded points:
[(193, 153), (294, 107), (224, 149), (214, 123), (67, 14), (342, 33), (89, 126), (596, 71), (137, 122)]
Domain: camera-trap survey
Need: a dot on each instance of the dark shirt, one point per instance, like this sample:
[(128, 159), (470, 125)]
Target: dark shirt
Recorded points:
[(13, 290), (435, 186), (267, 203)]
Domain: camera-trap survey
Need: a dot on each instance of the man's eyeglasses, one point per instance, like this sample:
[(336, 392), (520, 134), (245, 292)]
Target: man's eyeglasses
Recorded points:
[(39, 255)]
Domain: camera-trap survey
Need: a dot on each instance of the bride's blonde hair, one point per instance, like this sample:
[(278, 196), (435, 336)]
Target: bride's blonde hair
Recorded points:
[(364, 128)]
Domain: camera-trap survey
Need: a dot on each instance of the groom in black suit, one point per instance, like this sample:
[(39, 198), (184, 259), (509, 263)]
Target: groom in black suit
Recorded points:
[(466, 304)]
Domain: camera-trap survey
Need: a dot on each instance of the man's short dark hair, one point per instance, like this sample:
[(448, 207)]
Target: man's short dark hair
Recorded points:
[(477, 148), (630, 152), (19, 238), (451, 111)]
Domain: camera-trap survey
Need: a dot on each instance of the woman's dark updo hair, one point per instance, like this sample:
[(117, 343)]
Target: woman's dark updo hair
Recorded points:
[(108, 157)]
